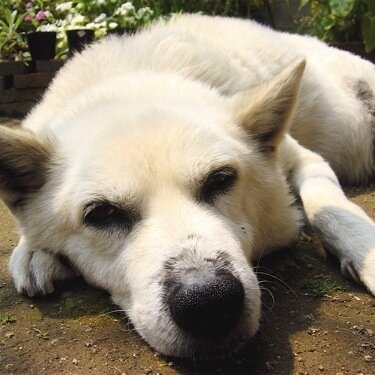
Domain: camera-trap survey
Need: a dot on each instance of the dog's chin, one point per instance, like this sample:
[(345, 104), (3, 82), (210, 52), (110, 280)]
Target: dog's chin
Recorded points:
[(209, 351), (183, 346)]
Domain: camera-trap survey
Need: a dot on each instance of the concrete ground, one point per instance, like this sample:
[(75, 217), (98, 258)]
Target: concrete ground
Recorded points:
[(314, 322)]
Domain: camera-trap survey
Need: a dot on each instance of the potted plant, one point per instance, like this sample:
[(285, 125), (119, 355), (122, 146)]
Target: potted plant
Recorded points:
[(72, 21), (39, 24), (347, 24)]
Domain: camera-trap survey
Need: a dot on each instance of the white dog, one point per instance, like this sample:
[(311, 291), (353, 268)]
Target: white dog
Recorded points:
[(160, 166)]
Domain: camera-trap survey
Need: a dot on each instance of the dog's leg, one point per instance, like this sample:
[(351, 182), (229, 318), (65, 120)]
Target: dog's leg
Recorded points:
[(345, 229), (34, 271)]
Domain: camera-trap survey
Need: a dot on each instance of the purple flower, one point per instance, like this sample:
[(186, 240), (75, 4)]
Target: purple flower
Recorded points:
[(40, 15), (29, 5), (27, 18)]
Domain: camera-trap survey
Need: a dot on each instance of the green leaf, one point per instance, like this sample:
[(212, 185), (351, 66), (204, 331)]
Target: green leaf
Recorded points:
[(18, 21), (368, 31), (303, 3), (342, 8), (8, 16)]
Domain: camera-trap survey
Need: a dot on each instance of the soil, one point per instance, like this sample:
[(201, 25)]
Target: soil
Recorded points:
[(314, 322)]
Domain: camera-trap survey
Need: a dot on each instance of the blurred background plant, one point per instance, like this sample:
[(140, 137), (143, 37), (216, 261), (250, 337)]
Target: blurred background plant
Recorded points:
[(12, 44), (330, 20), (340, 21), (60, 16), (233, 8)]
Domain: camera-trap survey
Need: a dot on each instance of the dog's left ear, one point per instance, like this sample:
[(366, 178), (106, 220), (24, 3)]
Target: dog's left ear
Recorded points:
[(24, 164), (265, 111)]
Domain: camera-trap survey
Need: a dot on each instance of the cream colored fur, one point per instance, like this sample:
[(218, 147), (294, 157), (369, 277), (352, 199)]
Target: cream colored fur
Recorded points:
[(141, 121)]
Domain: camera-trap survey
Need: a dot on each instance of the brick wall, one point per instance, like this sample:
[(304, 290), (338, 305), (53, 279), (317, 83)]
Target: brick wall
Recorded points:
[(21, 86)]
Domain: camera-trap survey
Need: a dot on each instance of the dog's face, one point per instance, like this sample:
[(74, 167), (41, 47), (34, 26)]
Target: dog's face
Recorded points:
[(162, 198)]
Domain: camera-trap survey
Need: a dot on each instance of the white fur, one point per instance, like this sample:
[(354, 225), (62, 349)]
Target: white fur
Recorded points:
[(141, 120)]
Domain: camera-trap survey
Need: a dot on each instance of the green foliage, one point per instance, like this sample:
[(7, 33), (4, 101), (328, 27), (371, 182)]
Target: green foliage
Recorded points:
[(99, 15), (59, 16), (7, 319), (12, 45), (368, 27), (235, 8), (341, 20), (40, 334), (320, 287)]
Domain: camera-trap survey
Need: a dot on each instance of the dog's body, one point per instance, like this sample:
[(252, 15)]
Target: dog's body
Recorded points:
[(159, 170)]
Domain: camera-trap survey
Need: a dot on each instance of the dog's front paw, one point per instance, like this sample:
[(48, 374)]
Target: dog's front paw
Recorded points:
[(367, 273), (34, 271), (361, 273)]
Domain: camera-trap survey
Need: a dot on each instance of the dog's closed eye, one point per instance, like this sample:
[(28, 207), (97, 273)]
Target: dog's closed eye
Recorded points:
[(216, 183), (106, 215)]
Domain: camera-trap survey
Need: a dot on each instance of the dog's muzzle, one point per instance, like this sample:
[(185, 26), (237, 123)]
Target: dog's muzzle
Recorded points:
[(207, 304)]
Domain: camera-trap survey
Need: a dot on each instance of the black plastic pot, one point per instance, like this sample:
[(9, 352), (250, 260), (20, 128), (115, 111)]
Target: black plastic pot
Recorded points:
[(78, 39), (121, 31), (42, 44)]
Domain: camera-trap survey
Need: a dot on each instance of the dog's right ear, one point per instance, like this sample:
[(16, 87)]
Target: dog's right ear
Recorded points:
[(24, 162), (265, 111)]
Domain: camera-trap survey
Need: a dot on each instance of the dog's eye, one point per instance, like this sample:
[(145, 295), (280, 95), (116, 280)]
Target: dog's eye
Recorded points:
[(105, 215), (218, 182)]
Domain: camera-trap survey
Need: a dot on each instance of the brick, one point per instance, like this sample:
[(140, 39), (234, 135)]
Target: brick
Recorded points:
[(32, 80), (16, 109), (21, 95), (12, 67), (49, 66), (6, 82)]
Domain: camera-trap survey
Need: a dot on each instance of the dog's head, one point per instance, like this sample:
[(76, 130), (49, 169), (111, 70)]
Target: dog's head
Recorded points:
[(161, 192)]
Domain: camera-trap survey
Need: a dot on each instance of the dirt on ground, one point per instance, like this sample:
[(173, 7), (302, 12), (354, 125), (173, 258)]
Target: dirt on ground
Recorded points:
[(314, 322)]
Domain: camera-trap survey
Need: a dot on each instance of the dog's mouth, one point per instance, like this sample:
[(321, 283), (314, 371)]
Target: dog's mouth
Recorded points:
[(205, 308)]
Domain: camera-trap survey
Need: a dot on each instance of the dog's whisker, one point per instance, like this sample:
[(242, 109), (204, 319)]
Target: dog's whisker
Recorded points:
[(280, 281), (271, 295), (267, 282), (114, 312)]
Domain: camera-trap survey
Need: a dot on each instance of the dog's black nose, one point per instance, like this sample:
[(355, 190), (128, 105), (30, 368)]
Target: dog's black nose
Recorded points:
[(208, 306)]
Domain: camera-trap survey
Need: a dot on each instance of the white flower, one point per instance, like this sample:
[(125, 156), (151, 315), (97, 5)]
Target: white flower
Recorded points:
[(100, 2), (112, 25), (125, 9), (128, 6), (100, 18), (63, 7), (96, 25), (49, 27), (145, 12), (77, 19), (61, 23)]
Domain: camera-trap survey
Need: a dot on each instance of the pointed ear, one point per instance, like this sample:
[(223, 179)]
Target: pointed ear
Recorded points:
[(24, 164), (265, 111)]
